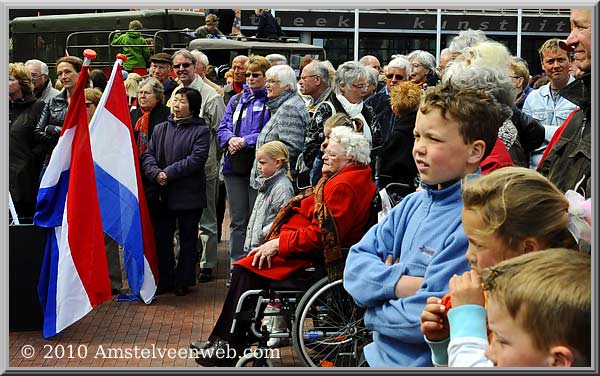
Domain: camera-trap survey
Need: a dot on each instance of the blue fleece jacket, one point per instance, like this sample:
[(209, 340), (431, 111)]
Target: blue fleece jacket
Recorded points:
[(425, 231)]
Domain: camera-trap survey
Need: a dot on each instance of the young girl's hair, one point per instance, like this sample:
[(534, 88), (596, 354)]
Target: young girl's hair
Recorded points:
[(278, 151), (341, 119), (516, 203)]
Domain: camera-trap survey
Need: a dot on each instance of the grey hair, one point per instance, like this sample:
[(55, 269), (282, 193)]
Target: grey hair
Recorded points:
[(424, 57), (202, 58), (320, 69), (400, 62), (487, 53), (492, 79), (276, 58), (373, 75), (355, 144), (285, 74), (155, 85), (185, 53), (445, 51), (466, 38), (347, 74), (43, 66)]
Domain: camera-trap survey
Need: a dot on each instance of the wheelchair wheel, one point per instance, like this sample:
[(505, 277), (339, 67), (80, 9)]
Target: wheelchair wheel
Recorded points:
[(328, 329), (254, 359)]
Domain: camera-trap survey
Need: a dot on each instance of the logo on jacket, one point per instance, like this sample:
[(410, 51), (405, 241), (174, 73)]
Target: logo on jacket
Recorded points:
[(427, 251)]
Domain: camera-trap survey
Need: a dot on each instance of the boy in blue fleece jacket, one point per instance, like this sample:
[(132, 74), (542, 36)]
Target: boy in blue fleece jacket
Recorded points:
[(455, 129)]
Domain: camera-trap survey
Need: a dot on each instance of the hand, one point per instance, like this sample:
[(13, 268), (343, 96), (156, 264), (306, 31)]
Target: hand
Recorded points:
[(161, 178), (264, 253), (407, 286), (235, 144), (434, 320), (466, 289)]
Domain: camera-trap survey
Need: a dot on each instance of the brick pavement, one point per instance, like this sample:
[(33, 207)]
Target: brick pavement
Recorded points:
[(170, 322)]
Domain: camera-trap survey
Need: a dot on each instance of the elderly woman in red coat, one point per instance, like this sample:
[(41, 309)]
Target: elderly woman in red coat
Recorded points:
[(337, 210)]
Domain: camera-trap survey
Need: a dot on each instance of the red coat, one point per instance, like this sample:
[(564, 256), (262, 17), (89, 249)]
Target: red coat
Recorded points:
[(498, 158), (348, 197)]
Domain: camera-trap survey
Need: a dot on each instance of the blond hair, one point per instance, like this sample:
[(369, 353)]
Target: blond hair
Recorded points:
[(548, 294), (257, 62), (341, 119), (93, 95), (20, 72), (520, 70), (516, 203), (279, 152)]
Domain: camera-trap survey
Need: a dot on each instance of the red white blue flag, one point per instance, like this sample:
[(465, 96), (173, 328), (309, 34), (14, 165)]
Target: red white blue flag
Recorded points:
[(123, 207), (74, 277)]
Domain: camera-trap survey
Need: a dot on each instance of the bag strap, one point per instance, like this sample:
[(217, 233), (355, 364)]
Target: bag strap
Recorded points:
[(236, 101)]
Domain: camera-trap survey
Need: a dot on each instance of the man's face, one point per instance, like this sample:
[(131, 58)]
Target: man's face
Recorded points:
[(556, 65), (160, 71), (39, 79), (309, 82), (444, 60), (394, 76), (200, 68), (581, 38), (184, 68), (238, 66), (374, 62)]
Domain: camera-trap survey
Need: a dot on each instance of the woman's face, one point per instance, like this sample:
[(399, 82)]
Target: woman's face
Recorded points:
[(355, 92), (255, 79), (418, 72), (334, 158), (274, 88), (146, 98), (14, 87), (67, 75), (90, 107), (181, 106)]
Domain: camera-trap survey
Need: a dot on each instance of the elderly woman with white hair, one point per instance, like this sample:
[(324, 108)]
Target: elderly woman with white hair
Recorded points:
[(350, 84), (309, 230), (289, 116), (423, 71)]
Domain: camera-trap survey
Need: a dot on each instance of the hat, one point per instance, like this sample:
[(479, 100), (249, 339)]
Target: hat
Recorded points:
[(161, 57), (211, 19)]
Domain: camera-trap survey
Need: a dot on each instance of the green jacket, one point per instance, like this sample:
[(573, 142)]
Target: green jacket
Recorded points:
[(136, 56)]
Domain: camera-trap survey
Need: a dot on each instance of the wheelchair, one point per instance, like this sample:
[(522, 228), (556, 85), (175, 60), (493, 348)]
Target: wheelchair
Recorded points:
[(324, 323)]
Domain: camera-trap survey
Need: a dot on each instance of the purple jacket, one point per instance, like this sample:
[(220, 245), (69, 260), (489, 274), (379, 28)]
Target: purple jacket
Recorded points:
[(186, 151), (250, 125)]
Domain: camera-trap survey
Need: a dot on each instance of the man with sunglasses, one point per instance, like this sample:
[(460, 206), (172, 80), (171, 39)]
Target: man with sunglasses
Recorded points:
[(43, 89), (211, 111), (397, 70)]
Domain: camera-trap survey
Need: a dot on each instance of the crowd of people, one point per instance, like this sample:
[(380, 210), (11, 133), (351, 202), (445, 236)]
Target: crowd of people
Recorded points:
[(492, 171)]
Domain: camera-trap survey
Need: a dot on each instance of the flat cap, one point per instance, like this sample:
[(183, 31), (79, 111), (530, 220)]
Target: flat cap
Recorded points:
[(161, 57)]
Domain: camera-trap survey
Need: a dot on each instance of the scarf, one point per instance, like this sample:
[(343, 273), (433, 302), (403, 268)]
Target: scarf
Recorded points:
[(334, 259), (237, 87), (141, 132), (354, 110)]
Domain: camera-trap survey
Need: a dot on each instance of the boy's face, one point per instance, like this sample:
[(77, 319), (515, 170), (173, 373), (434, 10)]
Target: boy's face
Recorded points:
[(441, 154), (484, 250), (511, 345)]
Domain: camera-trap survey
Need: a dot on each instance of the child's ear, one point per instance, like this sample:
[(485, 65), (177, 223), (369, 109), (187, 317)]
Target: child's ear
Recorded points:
[(562, 356), (476, 152)]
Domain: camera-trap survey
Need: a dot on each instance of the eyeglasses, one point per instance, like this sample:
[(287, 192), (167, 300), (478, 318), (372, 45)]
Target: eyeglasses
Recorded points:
[(305, 77), (416, 65), (361, 86), (253, 74), (329, 154), (185, 65), (88, 104), (391, 76), (270, 82), (35, 76)]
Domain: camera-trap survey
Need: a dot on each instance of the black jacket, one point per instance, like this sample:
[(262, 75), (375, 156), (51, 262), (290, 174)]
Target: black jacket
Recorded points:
[(268, 27), (568, 164), (26, 154), (380, 102), (531, 131), (49, 126), (159, 114)]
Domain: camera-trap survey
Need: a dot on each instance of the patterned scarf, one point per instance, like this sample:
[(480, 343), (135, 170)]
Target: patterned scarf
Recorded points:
[(334, 259), (141, 131)]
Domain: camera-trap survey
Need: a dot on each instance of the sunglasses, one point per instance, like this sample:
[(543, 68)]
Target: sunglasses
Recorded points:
[(253, 74), (391, 76), (185, 65)]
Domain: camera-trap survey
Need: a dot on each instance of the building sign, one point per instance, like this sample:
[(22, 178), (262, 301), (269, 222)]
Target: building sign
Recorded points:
[(413, 21)]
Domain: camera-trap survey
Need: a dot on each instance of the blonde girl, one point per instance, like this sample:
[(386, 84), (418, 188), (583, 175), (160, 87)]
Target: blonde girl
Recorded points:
[(507, 213)]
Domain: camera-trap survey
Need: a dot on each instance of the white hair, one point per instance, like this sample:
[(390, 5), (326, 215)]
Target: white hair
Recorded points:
[(43, 66), (355, 144), (466, 38), (400, 62), (201, 57), (276, 59), (285, 74), (373, 75), (424, 57)]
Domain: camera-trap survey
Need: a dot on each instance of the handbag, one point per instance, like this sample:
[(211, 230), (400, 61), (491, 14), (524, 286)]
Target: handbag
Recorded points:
[(156, 194), (241, 162)]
